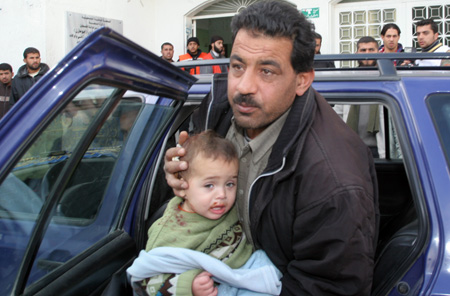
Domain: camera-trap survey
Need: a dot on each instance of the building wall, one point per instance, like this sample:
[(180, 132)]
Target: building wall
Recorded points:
[(42, 23)]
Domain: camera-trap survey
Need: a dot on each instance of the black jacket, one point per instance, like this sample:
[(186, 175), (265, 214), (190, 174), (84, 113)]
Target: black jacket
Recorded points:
[(22, 82), (314, 210)]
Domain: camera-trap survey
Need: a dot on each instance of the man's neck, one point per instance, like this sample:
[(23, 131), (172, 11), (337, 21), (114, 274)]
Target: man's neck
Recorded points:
[(31, 71), (215, 53), (432, 47), (387, 50)]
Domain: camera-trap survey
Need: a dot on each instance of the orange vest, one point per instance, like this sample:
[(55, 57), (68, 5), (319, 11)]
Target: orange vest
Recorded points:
[(188, 57)]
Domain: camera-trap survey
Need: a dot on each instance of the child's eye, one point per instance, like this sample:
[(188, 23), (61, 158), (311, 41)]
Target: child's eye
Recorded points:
[(209, 185), (231, 184)]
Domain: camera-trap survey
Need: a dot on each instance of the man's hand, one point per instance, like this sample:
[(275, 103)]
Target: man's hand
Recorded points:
[(203, 285), (172, 168)]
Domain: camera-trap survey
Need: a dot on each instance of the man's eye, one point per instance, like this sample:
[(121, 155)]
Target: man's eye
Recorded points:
[(267, 72), (237, 67)]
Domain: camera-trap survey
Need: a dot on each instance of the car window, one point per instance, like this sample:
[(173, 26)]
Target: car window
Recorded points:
[(108, 122), (373, 124), (439, 105)]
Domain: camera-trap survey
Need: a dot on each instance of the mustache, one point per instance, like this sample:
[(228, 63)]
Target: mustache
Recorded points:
[(246, 100)]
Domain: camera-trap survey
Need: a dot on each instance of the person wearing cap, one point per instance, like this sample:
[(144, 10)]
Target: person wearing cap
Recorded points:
[(216, 45), (195, 53)]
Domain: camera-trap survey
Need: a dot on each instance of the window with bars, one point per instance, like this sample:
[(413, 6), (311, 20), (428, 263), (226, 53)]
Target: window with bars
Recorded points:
[(441, 16), (356, 24)]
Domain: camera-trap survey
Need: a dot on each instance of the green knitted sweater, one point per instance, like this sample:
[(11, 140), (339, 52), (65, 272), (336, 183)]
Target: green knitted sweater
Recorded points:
[(223, 239)]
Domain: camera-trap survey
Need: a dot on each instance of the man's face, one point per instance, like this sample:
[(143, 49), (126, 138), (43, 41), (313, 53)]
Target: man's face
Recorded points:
[(370, 47), (193, 47), (167, 52), (425, 36), (218, 46), (390, 39), (5, 76), (33, 61), (318, 45), (262, 83)]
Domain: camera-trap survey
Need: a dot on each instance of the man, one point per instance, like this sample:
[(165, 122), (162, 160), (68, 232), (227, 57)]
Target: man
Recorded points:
[(367, 44), (427, 37), (195, 53), (167, 52), (390, 34), (321, 64), (216, 53), (307, 190), (6, 75), (28, 74), (365, 119)]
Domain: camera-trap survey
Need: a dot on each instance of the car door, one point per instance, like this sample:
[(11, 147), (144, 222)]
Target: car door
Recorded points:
[(76, 151)]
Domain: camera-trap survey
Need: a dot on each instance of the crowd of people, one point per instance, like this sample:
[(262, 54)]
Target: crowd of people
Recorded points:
[(13, 87), (217, 51), (427, 37)]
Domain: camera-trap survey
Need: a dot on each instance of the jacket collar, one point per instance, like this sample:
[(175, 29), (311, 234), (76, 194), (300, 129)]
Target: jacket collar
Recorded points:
[(23, 71), (299, 120)]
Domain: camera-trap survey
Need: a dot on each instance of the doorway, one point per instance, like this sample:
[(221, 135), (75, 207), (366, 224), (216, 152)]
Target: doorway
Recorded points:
[(206, 28)]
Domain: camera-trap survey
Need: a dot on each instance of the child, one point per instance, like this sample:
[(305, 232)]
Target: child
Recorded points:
[(204, 220)]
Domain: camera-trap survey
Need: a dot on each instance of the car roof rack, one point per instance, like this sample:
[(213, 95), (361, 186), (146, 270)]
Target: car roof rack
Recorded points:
[(385, 66)]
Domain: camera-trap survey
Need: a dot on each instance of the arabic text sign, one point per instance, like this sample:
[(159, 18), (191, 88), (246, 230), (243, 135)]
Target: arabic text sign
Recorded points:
[(81, 25)]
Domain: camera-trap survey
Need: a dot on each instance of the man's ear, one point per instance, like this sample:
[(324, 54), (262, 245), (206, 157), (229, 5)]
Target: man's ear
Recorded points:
[(304, 81)]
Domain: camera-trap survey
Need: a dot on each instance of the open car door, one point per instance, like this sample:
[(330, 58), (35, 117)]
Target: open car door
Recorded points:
[(76, 150)]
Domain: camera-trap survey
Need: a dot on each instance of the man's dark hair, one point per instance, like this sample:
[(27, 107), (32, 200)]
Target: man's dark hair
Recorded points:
[(430, 22), (5, 67), (366, 39), (30, 50), (317, 36), (390, 26), (280, 19), (166, 43)]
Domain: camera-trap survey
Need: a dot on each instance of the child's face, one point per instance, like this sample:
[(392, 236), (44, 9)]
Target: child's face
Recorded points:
[(212, 187)]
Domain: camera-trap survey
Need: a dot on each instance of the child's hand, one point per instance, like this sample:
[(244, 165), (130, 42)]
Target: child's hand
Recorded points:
[(172, 168), (203, 285)]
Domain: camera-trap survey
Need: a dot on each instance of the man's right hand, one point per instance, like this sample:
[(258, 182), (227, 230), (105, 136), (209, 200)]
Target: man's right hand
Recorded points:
[(172, 168)]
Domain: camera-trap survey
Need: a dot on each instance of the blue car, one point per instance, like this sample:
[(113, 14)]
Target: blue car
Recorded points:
[(81, 179)]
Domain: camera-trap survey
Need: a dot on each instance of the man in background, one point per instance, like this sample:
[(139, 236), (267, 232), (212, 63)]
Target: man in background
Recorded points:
[(390, 34), (367, 44), (6, 76), (216, 45), (195, 53), (167, 52), (428, 39), (28, 74), (321, 64)]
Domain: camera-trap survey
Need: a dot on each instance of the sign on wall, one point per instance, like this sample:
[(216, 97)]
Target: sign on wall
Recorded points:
[(310, 12), (81, 25)]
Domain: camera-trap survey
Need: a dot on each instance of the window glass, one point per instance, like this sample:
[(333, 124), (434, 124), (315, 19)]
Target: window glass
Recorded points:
[(439, 106), (369, 122), (83, 213)]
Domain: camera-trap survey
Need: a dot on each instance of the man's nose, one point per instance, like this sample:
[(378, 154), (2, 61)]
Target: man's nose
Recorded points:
[(247, 83)]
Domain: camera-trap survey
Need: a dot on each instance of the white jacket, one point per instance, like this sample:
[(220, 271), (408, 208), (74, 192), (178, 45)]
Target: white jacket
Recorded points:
[(435, 63)]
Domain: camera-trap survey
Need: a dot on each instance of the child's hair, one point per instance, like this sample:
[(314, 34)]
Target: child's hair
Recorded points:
[(210, 145)]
